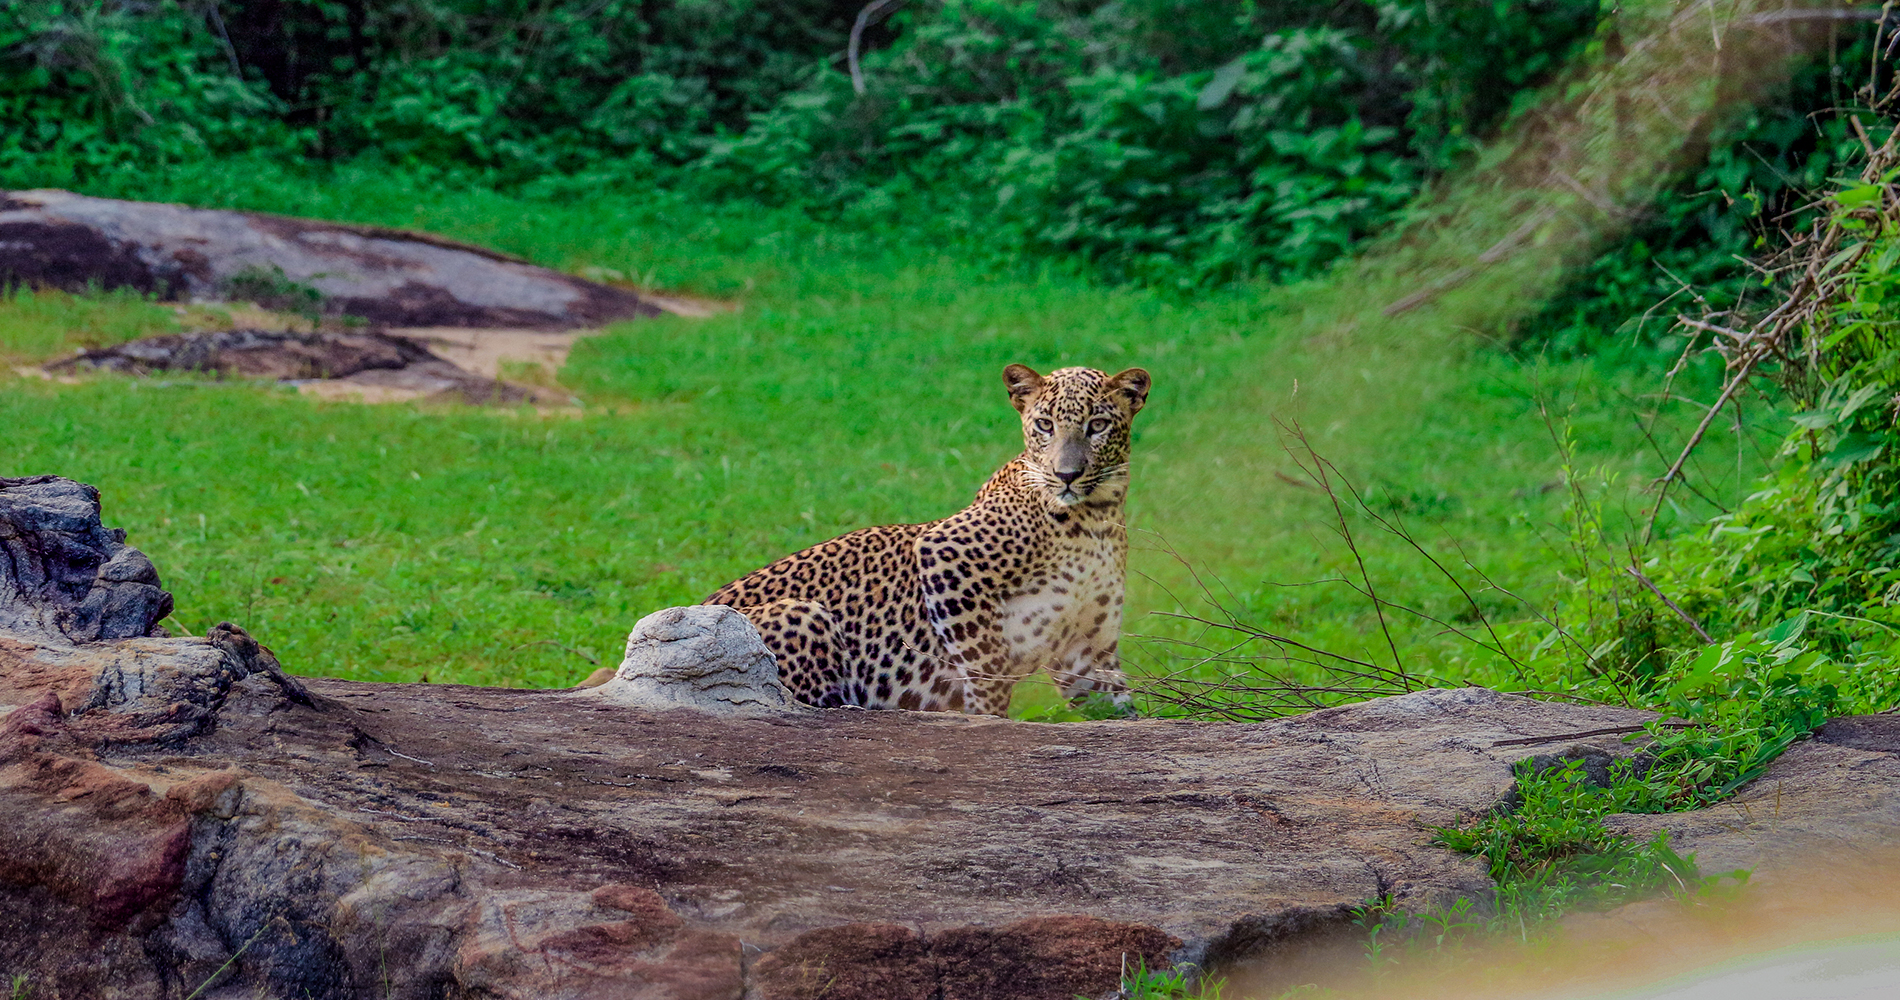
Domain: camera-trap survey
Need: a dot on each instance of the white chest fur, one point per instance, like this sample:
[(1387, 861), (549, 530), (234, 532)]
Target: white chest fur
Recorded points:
[(1069, 602)]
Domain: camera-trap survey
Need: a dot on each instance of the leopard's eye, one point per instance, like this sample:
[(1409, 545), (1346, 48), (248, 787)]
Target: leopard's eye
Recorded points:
[(1099, 425), (1045, 425)]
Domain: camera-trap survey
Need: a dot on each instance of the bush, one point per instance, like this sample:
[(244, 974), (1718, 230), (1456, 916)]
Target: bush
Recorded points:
[(88, 87), (1285, 136), (1153, 140), (1692, 250), (1822, 532)]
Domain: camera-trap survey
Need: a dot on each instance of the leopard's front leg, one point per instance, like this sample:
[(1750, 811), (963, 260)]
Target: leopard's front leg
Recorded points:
[(1091, 668), (962, 603)]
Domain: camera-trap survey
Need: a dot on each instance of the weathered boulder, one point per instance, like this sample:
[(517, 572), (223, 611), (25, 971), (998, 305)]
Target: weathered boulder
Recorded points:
[(181, 815), (66, 576), (386, 276), (707, 657)]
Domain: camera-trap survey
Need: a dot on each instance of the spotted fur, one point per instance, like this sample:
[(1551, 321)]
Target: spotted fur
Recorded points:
[(948, 616)]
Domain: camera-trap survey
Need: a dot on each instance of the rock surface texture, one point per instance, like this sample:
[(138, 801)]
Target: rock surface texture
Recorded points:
[(707, 657), (66, 576), (180, 815), (365, 361), (386, 276)]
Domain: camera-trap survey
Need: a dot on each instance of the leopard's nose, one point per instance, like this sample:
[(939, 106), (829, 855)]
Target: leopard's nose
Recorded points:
[(1068, 477)]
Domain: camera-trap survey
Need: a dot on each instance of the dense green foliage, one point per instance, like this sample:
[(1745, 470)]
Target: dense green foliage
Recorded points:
[(1160, 140), (1822, 532), (1156, 139), (1692, 251)]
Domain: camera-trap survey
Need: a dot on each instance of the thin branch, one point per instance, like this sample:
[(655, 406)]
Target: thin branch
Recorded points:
[(1611, 731), (878, 9), (1673, 606)]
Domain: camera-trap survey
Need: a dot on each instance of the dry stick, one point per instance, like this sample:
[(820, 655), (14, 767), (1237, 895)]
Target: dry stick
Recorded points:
[(1379, 673), (1742, 373), (1278, 640), (1276, 694), (1611, 731), (1498, 251), (1673, 606), (880, 8), (1441, 623), (1195, 574), (1339, 511), (1656, 446), (1397, 527), (1816, 14), (1765, 339)]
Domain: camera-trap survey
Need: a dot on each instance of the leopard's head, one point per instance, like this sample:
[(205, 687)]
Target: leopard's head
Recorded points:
[(1075, 429)]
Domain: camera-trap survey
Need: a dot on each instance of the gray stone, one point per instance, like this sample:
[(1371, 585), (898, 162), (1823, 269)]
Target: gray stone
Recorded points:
[(706, 657), (387, 276), (64, 576)]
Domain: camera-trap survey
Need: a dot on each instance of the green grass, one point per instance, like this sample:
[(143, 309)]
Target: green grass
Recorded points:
[(858, 384), (35, 326)]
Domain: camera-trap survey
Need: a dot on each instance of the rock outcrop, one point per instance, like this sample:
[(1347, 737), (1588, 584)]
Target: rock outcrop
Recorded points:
[(386, 276), (66, 576), (181, 815), (368, 361)]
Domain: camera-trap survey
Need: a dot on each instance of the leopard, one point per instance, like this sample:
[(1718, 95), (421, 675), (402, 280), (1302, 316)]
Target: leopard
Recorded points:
[(949, 615)]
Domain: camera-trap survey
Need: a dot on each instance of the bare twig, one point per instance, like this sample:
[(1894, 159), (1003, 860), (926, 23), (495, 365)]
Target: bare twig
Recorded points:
[(1318, 474), (1673, 606), (1611, 731)]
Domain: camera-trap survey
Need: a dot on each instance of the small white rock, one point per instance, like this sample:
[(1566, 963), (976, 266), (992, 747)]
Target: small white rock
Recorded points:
[(707, 657)]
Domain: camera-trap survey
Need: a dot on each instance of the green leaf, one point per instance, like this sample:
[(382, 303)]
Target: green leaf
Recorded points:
[(1856, 448), (1785, 631), (1858, 196), (1860, 398)]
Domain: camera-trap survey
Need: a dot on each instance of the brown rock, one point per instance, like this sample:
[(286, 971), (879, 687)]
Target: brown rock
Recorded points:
[(182, 815), (90, 835), (1042, 957), (374, 361)]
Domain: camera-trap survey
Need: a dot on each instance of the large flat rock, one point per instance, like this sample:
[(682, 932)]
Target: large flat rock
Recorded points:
[(898, 854), (386, 276), (183, 818)]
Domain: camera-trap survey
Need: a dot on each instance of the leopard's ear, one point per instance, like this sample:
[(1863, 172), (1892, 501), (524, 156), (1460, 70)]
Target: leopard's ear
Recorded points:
[(1132, 385), (1023, 382)]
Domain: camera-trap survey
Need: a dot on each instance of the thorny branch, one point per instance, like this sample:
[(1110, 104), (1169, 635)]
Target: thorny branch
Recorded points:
[(1825, 263)]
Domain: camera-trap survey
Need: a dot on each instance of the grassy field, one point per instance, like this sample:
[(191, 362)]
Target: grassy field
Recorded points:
[(858, 384)]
